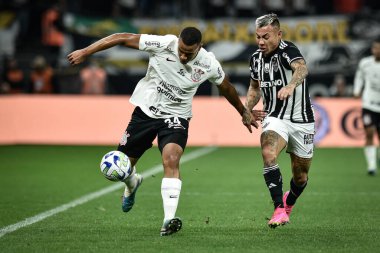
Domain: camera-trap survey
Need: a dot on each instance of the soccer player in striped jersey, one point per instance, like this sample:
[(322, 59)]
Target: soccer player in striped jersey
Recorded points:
[(278, 76), (367, 84)]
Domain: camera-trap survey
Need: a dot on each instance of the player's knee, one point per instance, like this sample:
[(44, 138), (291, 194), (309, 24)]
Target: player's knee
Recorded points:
[(171, 161), (300, 179), (269, 156)]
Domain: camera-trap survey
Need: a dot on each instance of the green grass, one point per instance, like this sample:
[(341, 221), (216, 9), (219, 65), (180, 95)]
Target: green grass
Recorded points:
[(224, 204)]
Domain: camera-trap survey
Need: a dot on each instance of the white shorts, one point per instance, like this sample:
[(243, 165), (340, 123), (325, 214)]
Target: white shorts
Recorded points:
[(299, 137)]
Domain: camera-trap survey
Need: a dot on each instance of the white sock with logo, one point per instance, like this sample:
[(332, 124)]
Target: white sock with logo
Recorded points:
[(370, 155), (130, 182), (170, 191)]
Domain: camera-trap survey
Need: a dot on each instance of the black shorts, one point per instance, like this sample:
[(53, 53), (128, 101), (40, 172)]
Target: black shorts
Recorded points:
[(142, 130), (371, 118)]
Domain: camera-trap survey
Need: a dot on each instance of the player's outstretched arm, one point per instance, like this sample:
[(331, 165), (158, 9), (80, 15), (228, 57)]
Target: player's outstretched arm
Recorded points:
[(253, 94), (125, 39), (253, 97), (229, 92)]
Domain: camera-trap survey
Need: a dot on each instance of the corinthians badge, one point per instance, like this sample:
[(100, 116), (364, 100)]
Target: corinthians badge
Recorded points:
[(197, 75)]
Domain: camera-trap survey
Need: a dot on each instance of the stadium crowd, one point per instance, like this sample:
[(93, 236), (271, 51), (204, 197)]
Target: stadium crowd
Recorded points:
[(32, 33)]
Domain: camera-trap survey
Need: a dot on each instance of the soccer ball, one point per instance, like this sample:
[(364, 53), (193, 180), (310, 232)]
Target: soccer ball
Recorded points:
[(115, 166)]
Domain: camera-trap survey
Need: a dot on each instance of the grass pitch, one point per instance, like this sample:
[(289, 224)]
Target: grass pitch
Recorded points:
[(224, 204)]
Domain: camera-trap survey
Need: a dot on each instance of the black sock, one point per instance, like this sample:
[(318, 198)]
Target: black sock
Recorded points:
[(295, 192), (273, 179)]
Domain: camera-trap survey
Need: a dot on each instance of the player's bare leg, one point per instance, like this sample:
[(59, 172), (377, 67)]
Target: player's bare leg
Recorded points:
[(271, 146)]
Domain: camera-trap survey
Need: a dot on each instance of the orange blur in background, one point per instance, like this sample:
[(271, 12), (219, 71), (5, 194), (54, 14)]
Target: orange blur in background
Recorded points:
[(101, 120)]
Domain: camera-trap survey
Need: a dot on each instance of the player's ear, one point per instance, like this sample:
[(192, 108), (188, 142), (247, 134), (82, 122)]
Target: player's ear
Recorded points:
[(280, 33)]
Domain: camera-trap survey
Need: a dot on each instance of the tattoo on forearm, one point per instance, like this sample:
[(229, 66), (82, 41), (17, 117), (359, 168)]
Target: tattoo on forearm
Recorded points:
[(253, 97), (300, 72)]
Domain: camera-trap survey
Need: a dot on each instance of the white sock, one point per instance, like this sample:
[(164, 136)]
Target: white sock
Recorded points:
[(170, 191), (370, 155), (130, 182)]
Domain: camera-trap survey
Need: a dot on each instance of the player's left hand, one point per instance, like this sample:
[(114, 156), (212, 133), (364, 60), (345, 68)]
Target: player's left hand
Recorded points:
[(285, 92)]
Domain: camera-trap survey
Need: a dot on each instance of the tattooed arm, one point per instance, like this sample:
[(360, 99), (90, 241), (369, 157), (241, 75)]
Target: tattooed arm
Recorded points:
[(253, 94), (299, 74), (253, 97)]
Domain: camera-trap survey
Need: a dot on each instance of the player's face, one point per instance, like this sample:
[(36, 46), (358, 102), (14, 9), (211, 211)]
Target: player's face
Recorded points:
[(376, 50), (268, 38), (187, 53)]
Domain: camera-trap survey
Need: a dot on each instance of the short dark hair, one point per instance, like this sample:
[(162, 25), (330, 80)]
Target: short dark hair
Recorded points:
[(191, 36)]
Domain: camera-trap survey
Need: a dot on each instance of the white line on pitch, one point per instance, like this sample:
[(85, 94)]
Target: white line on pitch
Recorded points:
[(86, 198)]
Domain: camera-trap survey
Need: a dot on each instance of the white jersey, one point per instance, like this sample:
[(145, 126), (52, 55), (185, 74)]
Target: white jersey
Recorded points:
[(367, 80), (169, 86)]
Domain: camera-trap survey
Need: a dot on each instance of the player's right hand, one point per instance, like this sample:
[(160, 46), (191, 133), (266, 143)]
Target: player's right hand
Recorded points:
[(76, 57), (259, 115), (250, 118)]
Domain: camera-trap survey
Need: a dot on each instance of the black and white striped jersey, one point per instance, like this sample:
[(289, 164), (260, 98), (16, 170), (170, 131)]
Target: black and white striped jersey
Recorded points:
[(274, 72)]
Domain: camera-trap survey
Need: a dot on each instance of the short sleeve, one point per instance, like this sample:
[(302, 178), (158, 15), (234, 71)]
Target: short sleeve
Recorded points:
[(253, 68), (359, 79), (217, 74), (290, 54), (155, 43)]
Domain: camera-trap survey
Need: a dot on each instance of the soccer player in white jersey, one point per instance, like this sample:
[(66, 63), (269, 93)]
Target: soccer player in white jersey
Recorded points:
[(163, 100), (367, 84), (278, 76)]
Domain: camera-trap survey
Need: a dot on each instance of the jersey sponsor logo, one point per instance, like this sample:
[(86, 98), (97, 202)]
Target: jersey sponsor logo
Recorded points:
[(168, 94), (124, 138), (169, 91), (168, 59), (172, 88), (202, 65), (271, 185), (219, 73), (153, 43), (197, 75), (264, 84), (155, 110)]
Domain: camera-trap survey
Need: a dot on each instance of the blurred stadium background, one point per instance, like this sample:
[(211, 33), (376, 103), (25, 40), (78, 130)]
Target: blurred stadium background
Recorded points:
[(38, 34), (332, 35)]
